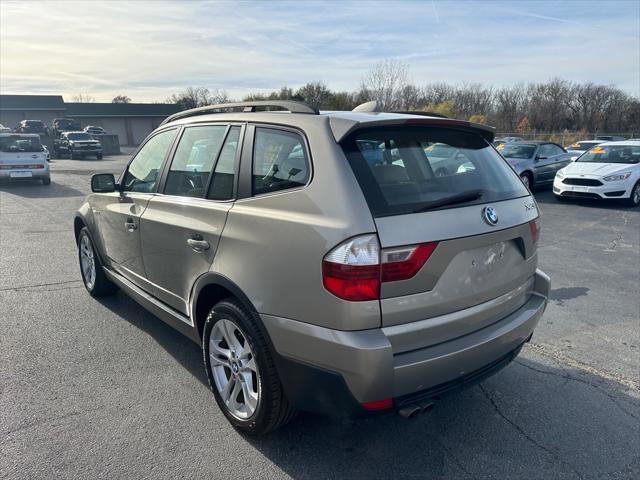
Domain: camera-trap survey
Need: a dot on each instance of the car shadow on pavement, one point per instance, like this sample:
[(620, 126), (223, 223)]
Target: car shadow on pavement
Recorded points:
[(186, 352), (545, 196), (34, 189), (532, 420)]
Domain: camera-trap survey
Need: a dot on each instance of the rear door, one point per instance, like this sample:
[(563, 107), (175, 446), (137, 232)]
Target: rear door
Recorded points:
[(477, 257), (181, 226), (118, 213)]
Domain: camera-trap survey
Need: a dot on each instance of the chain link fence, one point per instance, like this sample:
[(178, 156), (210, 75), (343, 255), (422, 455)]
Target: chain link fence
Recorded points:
[(566, 138)]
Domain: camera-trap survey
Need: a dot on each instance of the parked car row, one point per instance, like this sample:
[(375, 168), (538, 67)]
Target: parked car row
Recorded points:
[(58, 126)]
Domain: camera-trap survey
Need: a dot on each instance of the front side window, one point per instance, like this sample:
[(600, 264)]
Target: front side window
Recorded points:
[(144, 170), (193, 161), (426, 168), (279, 161)]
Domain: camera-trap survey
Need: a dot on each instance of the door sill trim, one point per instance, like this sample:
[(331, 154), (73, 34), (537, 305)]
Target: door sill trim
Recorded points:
[(171, 317)]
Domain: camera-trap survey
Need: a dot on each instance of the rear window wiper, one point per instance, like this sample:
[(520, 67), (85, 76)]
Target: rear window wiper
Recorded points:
[(466, 196)]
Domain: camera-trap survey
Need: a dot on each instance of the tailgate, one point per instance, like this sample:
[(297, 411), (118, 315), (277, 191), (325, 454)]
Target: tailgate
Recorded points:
[(473, 262)]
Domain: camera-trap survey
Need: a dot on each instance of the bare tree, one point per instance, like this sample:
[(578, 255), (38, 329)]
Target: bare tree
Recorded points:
[(193, 97), (385, 84), (83, 98), (121, 99)]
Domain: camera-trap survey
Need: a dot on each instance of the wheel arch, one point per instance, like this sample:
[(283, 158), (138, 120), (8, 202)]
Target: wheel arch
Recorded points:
[(208, 290)]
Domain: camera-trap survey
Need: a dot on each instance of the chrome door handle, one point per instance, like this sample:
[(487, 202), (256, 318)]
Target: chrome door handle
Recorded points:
[(198, 246), (130, 226)]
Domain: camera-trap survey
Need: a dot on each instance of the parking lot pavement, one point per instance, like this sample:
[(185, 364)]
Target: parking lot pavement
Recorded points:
[(102, 389)]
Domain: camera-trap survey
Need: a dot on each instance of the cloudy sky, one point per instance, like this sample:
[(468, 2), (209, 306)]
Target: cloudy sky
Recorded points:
[(148, 50)]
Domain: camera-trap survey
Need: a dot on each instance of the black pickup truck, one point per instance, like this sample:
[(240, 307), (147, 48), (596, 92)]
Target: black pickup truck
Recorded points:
[(77, 145)]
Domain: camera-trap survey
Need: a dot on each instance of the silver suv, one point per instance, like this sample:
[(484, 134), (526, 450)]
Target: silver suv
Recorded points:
[(318, 259)]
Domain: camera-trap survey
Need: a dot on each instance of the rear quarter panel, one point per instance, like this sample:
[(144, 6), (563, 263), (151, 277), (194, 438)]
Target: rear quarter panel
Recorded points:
[(273, 245)]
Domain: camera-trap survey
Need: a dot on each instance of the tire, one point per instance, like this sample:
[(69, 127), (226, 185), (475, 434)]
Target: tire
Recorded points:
[(634, 199), (72, 155), (97, 284), (46, 181), (560, 198), (255, 370), (99, 156), (526, 179)]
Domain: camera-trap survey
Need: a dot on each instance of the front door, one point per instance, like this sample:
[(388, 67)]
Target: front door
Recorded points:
[(544, 164), (182, 225), (118, 213)]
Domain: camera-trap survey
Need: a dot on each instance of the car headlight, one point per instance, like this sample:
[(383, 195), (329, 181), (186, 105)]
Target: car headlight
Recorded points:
[(617, 177), (560, 174)]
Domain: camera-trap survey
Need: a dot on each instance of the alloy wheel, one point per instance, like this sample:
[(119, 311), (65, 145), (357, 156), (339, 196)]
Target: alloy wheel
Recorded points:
[(87, 262), (234, 369)]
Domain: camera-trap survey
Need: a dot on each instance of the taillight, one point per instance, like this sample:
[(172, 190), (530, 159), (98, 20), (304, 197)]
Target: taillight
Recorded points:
[(352, 270), (534, 226), (355, 269), (403, 263)]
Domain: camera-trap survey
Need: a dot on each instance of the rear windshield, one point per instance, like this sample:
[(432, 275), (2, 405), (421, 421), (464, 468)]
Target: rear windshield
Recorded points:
[(17, 144), (411, 169), (612, 154)]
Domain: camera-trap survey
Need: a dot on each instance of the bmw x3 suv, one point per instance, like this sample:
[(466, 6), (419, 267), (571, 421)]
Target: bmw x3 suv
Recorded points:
[(318, 259)]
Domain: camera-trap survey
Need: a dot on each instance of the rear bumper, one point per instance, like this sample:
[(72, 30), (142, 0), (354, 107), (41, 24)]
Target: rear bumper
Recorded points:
[(332, 371), (35, 173)]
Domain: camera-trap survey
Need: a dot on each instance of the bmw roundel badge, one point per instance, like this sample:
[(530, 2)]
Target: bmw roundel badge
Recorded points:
[(490, 215)]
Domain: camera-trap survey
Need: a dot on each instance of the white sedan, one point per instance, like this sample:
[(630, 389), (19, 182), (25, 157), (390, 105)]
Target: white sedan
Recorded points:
[(607, 171)]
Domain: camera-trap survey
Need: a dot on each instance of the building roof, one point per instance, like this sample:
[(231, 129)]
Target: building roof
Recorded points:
[(121, 109), (32, 102)]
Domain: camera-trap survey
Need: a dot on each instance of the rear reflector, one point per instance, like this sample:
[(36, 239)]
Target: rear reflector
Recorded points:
[(378, 404), (534, 226)]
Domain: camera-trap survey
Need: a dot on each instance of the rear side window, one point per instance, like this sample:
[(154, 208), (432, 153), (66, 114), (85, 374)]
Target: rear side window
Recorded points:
[(193, 161), (411, 169), (279, 161)]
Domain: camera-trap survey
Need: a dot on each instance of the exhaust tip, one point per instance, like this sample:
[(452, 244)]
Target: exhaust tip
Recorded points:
[(410, 411)]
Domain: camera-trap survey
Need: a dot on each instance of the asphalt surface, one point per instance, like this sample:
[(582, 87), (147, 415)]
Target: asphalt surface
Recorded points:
[(102, 389)]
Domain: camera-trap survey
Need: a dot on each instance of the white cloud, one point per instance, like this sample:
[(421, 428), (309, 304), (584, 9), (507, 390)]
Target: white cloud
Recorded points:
[(149, 50)]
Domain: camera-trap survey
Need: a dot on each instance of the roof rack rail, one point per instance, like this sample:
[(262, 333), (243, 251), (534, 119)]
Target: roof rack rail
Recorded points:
[(424, 114), (289, 105)]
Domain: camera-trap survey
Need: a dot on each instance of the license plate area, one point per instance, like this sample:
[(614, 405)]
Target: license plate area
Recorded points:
[(21, 174)]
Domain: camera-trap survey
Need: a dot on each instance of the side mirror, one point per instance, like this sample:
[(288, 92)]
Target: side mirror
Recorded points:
[(103, 183)]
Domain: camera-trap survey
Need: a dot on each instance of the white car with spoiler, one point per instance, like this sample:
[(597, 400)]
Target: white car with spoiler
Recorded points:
[(607, 171), (22, 156)]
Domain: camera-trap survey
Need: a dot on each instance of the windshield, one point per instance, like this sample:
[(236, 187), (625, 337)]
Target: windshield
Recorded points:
[(398, 174), (516, 150), (17, 144), (79, 136), (612, 154)]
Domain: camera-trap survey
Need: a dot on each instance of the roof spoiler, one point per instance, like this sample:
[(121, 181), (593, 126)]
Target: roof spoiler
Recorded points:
[(342, 127), (287, 105)]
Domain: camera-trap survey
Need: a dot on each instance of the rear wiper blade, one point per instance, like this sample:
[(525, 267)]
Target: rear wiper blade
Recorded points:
[(461, 197)]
